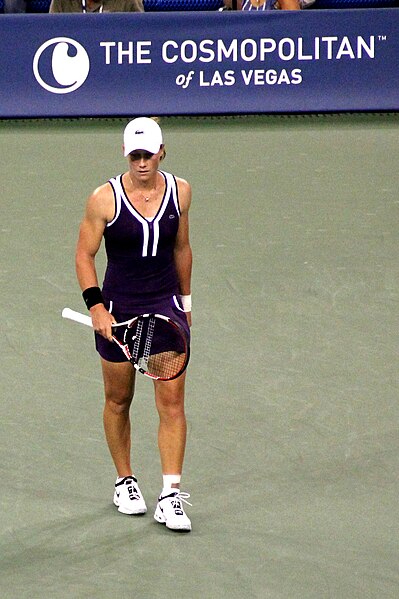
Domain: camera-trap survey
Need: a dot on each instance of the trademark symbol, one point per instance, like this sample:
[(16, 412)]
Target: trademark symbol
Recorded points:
[(382, 38)]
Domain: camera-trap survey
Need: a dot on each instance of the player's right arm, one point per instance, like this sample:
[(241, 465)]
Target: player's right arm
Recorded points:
[(99, 211)]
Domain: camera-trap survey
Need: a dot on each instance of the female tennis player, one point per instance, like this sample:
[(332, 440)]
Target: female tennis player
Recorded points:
[(142, 215)]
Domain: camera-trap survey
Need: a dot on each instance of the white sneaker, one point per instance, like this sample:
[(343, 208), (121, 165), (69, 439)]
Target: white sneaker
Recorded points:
[(171, 513), (127, 497)]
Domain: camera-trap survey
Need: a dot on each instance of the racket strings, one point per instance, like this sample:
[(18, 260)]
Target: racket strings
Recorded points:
[(148, 339), (166, 364), (135, 340), (157, 347)]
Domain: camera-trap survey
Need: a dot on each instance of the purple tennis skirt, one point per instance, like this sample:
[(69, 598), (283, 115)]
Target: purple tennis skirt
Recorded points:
[(169, 306)]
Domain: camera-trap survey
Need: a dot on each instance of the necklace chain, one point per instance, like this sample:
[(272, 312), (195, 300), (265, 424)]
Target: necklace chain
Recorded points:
[(146, 198)]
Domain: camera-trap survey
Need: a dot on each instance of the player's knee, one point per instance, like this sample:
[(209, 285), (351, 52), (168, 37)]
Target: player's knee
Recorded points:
[(118, 404), (171, 406)]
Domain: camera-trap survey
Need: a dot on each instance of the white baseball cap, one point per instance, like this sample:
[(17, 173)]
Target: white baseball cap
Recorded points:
[(142, 134)]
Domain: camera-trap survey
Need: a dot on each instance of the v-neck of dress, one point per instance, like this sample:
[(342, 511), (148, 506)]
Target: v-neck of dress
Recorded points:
[(152, 217)]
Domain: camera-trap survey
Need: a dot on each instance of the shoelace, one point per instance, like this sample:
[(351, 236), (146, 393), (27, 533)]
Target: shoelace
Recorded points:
[(181, 496)]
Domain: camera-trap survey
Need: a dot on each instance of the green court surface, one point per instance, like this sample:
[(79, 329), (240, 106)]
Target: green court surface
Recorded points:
[(292, 400)]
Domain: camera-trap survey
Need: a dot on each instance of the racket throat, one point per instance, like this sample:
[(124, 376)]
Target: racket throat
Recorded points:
[(142, 364)]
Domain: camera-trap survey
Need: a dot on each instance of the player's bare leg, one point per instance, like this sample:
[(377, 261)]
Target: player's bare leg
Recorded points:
[(172, 432), (119, 381), (169, 398), (119, 389)]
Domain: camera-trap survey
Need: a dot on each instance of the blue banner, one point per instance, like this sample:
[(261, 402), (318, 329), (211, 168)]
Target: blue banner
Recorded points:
[(198, 63)]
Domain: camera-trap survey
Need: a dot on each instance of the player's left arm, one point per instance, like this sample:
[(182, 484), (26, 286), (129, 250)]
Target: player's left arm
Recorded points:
[(183, 254)]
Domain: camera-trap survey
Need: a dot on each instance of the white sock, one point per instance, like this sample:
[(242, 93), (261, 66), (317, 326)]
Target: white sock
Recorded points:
[(168, 481)]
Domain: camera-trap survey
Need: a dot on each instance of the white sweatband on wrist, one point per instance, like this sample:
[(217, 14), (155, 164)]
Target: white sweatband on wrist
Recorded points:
[(186, 302)]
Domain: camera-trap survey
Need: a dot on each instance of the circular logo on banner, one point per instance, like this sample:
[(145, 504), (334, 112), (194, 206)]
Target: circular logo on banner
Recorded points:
[(61, 65)]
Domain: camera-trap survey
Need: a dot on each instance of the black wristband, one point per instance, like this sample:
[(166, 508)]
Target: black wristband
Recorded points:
[(92, 296)]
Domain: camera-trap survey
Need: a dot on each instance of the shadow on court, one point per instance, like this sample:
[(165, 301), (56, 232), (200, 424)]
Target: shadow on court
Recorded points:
[(292, 401)]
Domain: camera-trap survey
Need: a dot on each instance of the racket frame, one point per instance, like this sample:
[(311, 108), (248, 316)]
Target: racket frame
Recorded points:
[(86, 320)]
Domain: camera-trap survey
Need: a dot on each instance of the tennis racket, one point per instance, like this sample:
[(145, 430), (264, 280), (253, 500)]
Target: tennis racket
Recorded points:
[(155, 344)]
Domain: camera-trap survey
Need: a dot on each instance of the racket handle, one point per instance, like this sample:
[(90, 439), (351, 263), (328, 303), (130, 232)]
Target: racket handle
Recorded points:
[(77, 316)]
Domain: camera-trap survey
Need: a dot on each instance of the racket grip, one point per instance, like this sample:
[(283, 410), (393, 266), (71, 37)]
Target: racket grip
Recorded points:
[(77, 316)]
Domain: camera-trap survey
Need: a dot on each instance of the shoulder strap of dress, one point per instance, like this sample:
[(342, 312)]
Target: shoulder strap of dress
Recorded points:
[(171, 189), (116, 184)]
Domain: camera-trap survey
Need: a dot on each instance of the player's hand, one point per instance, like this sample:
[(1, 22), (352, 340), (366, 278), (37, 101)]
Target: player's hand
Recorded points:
[(102, 321)]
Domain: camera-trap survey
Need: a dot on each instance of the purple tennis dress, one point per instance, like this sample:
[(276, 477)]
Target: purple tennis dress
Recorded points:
[(141, 276)]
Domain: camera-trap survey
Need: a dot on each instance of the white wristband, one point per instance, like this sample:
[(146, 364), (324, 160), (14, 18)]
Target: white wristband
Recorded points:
[(186, 302)]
